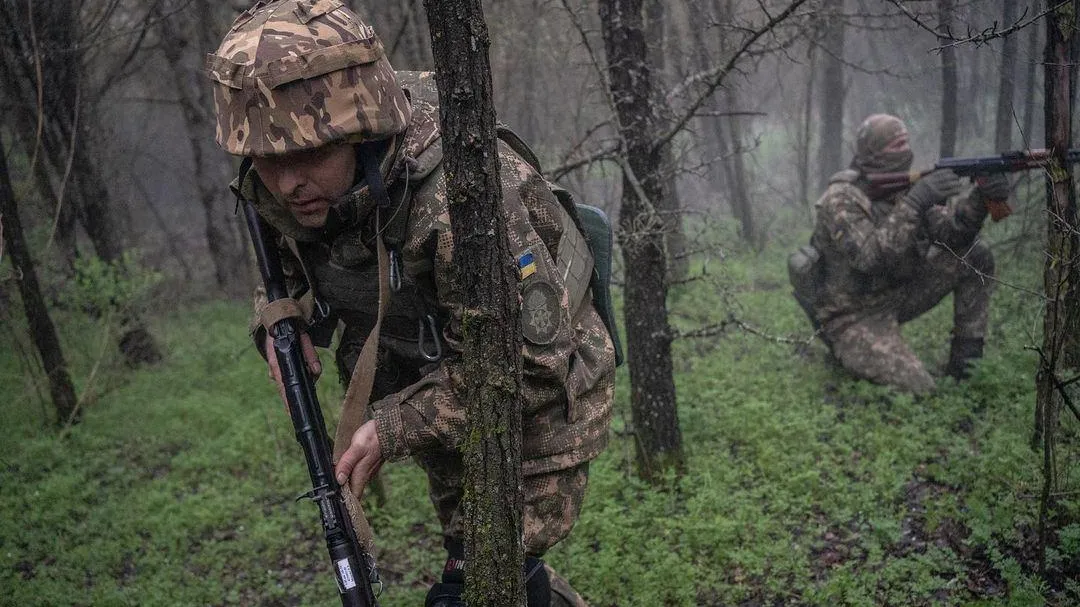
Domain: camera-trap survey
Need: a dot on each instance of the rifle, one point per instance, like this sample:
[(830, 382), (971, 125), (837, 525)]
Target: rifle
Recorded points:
[(354, 569), (977, 168)]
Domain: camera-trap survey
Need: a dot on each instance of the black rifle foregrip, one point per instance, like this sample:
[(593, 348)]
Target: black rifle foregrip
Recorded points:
[(351, 564)]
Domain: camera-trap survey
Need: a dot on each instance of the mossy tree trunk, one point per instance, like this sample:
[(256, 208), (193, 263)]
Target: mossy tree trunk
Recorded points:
[(494, 550), (1061, 276), (37, 315), (641, 236)]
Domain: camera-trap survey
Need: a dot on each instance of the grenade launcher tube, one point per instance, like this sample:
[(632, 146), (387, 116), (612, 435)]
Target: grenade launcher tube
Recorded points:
[(349, 561)]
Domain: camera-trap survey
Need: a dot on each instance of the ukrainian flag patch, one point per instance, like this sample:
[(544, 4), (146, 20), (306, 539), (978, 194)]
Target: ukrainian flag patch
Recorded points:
[(526, 265)]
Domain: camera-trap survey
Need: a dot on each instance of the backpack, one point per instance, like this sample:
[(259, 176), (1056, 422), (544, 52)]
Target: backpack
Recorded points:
[(595, 226)]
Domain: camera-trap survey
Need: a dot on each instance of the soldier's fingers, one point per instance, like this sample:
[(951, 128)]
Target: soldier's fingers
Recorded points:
[(310, 355), (344, 467)]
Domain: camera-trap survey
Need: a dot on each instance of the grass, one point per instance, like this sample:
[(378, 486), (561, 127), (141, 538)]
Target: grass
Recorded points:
[(804, 487)]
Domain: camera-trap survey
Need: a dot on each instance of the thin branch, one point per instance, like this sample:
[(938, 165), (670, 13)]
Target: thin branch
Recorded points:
[(721, 328), (716, 76), (983, 275), (982, 37)]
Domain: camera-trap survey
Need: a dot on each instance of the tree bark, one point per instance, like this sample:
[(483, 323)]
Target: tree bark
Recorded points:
[(948, 82), (1005, 111), (1061, 275), (831, 135), (641, 236), (491, 322), (37, 315)]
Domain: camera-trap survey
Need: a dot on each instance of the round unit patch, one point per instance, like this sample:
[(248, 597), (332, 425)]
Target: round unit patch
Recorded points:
[(540, 313)]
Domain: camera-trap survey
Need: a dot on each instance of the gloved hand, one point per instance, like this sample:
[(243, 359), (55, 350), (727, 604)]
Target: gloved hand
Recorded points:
[(932, 189), (993, 187)]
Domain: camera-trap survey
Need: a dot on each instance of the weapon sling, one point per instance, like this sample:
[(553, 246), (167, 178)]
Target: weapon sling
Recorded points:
[(339, 509)]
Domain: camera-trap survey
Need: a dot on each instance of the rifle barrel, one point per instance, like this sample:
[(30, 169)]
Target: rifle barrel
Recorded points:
[(349, 560)]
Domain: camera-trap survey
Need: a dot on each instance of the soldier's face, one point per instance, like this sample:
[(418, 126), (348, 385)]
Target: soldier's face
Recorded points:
[(307, 183)]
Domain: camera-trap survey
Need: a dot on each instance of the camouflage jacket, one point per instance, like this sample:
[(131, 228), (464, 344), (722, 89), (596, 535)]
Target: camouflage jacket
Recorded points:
[(569, 359), (873, 250)]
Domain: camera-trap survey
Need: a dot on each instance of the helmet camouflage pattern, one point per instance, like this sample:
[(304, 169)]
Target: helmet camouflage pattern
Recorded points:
[(292, 75)]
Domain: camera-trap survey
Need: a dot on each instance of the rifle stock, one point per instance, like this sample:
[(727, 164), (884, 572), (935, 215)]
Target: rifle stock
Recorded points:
[(975, 168), (353, 568)]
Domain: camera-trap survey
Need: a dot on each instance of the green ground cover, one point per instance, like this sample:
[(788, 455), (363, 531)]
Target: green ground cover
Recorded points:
[(804, 487)]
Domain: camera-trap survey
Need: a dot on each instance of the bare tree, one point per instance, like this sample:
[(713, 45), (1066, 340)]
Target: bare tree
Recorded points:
[(1061, 276), (37, 315), (1006, 113), (491, 318), (948, 81), (42, 69), (641, 236), (735, 171), (833, 91)]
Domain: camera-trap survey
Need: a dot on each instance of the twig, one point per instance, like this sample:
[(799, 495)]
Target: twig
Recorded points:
[(106, 330), (984, 275), (716, 76), (986, 35), (721, 328)]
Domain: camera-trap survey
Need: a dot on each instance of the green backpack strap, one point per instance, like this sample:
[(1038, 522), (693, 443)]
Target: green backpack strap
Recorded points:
[(597, 230)]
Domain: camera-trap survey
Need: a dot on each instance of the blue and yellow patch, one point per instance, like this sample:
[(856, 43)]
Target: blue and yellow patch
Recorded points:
[(526, 265)]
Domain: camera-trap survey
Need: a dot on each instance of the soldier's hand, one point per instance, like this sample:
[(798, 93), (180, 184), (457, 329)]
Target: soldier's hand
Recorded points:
[(361, 461), (993, 187), (932, 189), (311, 357)]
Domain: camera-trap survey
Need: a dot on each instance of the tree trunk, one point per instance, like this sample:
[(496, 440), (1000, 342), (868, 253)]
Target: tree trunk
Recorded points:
[(831, 111), (948, 82), (805, 135), (491, 321), (224, 236), (55, 53), (641, 235), (675, 238), (735, 168), (1006, 114), (1030, 73), (37, 315), (1061, 276)]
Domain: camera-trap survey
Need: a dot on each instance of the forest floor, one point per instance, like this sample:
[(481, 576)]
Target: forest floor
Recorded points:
[(803, 486)]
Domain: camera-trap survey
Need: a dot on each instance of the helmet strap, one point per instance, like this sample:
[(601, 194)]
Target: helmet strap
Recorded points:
[(368, 154)]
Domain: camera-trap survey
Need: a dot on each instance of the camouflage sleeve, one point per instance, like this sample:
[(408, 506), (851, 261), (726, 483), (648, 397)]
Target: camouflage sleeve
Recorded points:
[(956, 224), (870, 248), (429, 413)]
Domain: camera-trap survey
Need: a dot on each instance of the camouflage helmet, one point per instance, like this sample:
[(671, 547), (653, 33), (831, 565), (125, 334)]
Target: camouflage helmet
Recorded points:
[(292, 75), (881, 145)]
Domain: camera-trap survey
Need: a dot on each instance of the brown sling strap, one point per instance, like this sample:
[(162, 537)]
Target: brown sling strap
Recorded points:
[(354, 405)]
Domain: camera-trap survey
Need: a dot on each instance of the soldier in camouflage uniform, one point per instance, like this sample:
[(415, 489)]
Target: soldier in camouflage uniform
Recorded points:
[(344, 149), (885, 260)]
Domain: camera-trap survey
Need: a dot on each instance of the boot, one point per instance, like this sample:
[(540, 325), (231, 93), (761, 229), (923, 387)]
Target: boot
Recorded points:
[(964, 352)]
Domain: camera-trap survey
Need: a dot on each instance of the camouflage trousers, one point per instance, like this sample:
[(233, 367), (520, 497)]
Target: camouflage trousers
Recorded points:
[(868, 343), (552, 500)]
